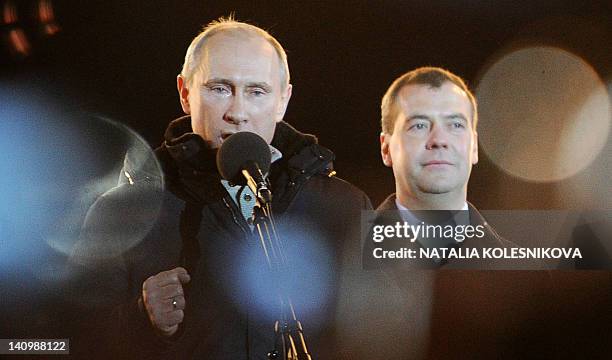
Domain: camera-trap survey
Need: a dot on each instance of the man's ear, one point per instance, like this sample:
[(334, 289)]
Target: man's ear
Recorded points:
[(183, 91), (475, 149), (282, 107), (385, 152)]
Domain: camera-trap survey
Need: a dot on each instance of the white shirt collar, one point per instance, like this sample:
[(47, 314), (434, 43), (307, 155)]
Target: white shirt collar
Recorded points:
[(409, 217), (402, 207)]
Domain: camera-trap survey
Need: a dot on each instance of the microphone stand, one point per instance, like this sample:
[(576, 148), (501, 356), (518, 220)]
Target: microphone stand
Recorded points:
[(290, 343)]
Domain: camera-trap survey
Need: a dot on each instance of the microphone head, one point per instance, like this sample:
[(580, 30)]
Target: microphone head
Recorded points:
[(237, 151)]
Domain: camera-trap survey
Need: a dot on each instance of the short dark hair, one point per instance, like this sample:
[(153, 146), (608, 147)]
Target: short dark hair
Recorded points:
[(432, 76)]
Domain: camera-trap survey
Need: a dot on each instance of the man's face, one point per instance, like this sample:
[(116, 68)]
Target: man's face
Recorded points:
[(237, 88), (433, 146)]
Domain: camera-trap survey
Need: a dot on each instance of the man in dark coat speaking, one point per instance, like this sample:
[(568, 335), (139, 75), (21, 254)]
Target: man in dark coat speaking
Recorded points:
[(193, 287)]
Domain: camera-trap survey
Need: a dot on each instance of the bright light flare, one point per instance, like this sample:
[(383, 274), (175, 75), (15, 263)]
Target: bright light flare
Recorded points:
[(544, 113)]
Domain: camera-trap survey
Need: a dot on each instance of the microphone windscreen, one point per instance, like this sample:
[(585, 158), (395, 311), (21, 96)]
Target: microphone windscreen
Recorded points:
[(237, 150)]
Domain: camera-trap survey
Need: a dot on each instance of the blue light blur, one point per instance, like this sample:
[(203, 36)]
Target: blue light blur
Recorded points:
[(308, 280), (54, 163)]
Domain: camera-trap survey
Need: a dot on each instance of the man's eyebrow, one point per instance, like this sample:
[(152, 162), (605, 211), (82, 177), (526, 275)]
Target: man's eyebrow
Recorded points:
[(263, 85), (417, 116), (218, 81), (456, 116)]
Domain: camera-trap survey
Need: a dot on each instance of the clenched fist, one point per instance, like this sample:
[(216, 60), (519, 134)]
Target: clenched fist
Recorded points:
[(164, 299)]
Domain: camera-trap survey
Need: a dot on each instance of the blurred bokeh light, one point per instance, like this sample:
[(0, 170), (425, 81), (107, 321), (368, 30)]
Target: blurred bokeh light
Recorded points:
[(55, 163), (544, 113)]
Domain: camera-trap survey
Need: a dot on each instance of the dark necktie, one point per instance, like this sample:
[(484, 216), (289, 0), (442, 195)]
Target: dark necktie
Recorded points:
[(437, 223)]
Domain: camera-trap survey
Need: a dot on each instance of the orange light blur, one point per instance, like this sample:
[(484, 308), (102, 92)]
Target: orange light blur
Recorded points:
[(19, 42), (9, 13)]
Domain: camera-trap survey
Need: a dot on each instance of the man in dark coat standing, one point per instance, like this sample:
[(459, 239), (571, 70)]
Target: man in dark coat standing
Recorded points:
[(459, 308), (195, 286), (429, 139)]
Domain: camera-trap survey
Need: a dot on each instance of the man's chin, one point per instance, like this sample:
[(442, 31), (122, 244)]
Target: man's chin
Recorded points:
[(213, 144), (435, 190), (439, 186), (221, 138)]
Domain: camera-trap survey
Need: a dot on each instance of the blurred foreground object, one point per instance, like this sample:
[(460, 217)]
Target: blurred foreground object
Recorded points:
[(24, 25)]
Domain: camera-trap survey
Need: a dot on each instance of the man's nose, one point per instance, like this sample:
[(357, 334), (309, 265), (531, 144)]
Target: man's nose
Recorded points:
[(438, 138), (236, 113)]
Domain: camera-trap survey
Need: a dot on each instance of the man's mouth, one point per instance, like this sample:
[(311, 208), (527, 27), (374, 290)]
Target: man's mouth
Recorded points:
[(437, 163)]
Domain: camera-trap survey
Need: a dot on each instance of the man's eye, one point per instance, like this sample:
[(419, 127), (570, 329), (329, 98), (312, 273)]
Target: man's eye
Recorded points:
[(258, 92), (458, 125), (418, 126), (219, 89)]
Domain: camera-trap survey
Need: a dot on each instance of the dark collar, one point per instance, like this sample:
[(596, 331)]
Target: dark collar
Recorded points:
[(388, 205), (189, 163)]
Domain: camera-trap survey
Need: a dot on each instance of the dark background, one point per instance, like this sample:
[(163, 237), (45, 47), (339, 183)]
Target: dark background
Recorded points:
[(120, 59)]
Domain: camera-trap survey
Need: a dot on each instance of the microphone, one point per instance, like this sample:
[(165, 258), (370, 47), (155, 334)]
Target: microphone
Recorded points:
[(243, 159)]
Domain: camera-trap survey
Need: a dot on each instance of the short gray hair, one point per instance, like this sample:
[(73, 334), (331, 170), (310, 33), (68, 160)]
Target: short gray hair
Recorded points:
[(229, 24)]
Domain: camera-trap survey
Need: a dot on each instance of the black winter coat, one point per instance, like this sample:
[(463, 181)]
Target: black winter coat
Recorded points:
[(193, 222)]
